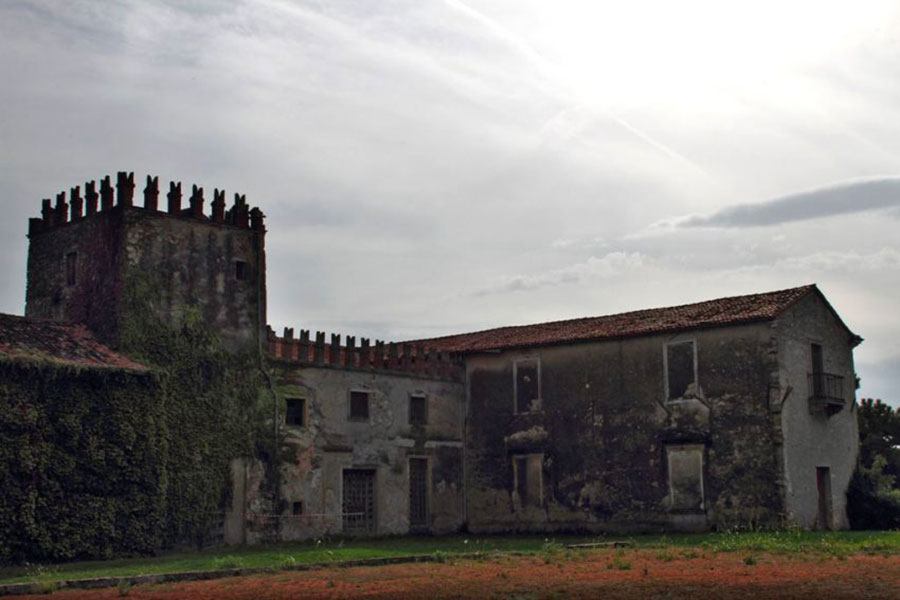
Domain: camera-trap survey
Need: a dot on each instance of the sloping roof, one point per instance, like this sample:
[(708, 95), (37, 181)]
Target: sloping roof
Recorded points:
[(37, 339), (712, 313)]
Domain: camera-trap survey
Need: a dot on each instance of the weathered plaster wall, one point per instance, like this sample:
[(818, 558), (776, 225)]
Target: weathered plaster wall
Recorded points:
[(604, 426), (94, 299), (191, 263), (315, 455), (177, 262), (812, 438)]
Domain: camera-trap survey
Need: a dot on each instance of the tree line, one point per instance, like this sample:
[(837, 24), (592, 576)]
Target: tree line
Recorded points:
[(873, 498)]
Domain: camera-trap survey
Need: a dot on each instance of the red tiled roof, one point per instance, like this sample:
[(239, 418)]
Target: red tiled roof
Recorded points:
[(24, 338), (712, 313)]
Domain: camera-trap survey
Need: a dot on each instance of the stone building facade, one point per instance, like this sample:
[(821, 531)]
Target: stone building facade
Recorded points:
[(732, 412)]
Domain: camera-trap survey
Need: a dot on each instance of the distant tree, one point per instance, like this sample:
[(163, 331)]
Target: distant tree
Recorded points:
[(873, 498), (879, 435)]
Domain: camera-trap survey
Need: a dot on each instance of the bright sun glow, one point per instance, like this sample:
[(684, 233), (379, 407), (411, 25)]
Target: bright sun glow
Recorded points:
[(627, 53)]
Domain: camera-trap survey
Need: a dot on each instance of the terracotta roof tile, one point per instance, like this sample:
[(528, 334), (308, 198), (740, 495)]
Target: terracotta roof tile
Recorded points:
[(712, 313), (25, 338)]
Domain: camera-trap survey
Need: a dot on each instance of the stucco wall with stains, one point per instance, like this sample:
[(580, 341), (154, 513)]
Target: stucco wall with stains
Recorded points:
[(604, 430), (815, 439), (316, 453)]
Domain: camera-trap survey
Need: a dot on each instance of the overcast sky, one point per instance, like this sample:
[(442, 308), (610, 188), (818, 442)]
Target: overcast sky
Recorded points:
[(441, 166)]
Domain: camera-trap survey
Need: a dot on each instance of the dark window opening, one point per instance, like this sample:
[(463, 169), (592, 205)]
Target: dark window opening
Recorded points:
[(680, 367), (417, 410), (818, 371), (520, 472), (297, 508), (240, 270), (295, 412), (528, 391), (71, 264), (418, 493), (359, 406)]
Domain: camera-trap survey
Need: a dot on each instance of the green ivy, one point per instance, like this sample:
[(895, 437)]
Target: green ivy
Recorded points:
[(82, 452), (98, 462)]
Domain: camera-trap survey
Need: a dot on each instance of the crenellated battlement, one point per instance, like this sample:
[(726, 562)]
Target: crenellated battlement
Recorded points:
[(111, 197), (382, 356)]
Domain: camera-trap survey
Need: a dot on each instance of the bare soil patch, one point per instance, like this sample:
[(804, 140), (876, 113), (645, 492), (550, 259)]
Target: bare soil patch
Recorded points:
[(646, 573)]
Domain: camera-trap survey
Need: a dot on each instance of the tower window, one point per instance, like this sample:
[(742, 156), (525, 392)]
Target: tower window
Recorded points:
[(297, 508), (71, 264), (295, 412), (240, 270)]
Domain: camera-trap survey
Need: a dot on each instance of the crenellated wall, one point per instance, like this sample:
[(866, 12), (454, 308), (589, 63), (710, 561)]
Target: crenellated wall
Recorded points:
[(382, 356), (100, 260)]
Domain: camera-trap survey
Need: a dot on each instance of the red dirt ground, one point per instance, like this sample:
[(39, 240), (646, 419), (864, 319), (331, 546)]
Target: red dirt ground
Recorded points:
[(606, 574)]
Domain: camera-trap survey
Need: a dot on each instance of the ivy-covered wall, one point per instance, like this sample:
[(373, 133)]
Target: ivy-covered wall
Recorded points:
[(215, 408), (83, 462), (100, 462)]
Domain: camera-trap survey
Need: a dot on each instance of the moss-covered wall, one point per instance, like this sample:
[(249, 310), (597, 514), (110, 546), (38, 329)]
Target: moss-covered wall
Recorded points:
[(602, 427), (190, 262)]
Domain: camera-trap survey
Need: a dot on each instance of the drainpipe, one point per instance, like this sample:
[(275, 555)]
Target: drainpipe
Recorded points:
[(261, 354), (465, 448)]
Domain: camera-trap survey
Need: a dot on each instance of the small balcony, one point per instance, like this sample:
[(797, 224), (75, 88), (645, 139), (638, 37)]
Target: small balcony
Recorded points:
[(826, 393)]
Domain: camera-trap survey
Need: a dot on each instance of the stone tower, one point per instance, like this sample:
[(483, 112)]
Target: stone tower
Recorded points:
[(96, 259)]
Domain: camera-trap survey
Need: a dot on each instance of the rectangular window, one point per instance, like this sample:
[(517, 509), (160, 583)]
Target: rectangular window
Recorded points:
[(297, 508), (240, 270), (685, 476), (681, 370), (527, 385), (295, 412), (528, 475), (359, 406), (418, 411), (818, 370), (418, 493), (71, 267)]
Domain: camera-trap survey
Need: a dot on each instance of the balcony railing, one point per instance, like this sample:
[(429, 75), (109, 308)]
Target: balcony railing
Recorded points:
[(826, 391)]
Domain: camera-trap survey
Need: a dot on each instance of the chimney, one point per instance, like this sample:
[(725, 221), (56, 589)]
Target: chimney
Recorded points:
[(125, 188), (174, 197), (257, 219), (77, 202), (196, 200), (62, 209), (151, 194), (218, 206), (90, 198), (47, 213), (106, 194)]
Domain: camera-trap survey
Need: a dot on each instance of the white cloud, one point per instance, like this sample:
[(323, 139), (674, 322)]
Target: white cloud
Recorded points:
[(884, 259), (607, 266)]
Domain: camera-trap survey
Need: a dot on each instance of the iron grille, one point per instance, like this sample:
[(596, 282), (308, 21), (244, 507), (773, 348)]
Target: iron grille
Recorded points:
[(359, 501)]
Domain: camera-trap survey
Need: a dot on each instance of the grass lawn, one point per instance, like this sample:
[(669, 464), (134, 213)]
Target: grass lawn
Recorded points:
[(324, 551)]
